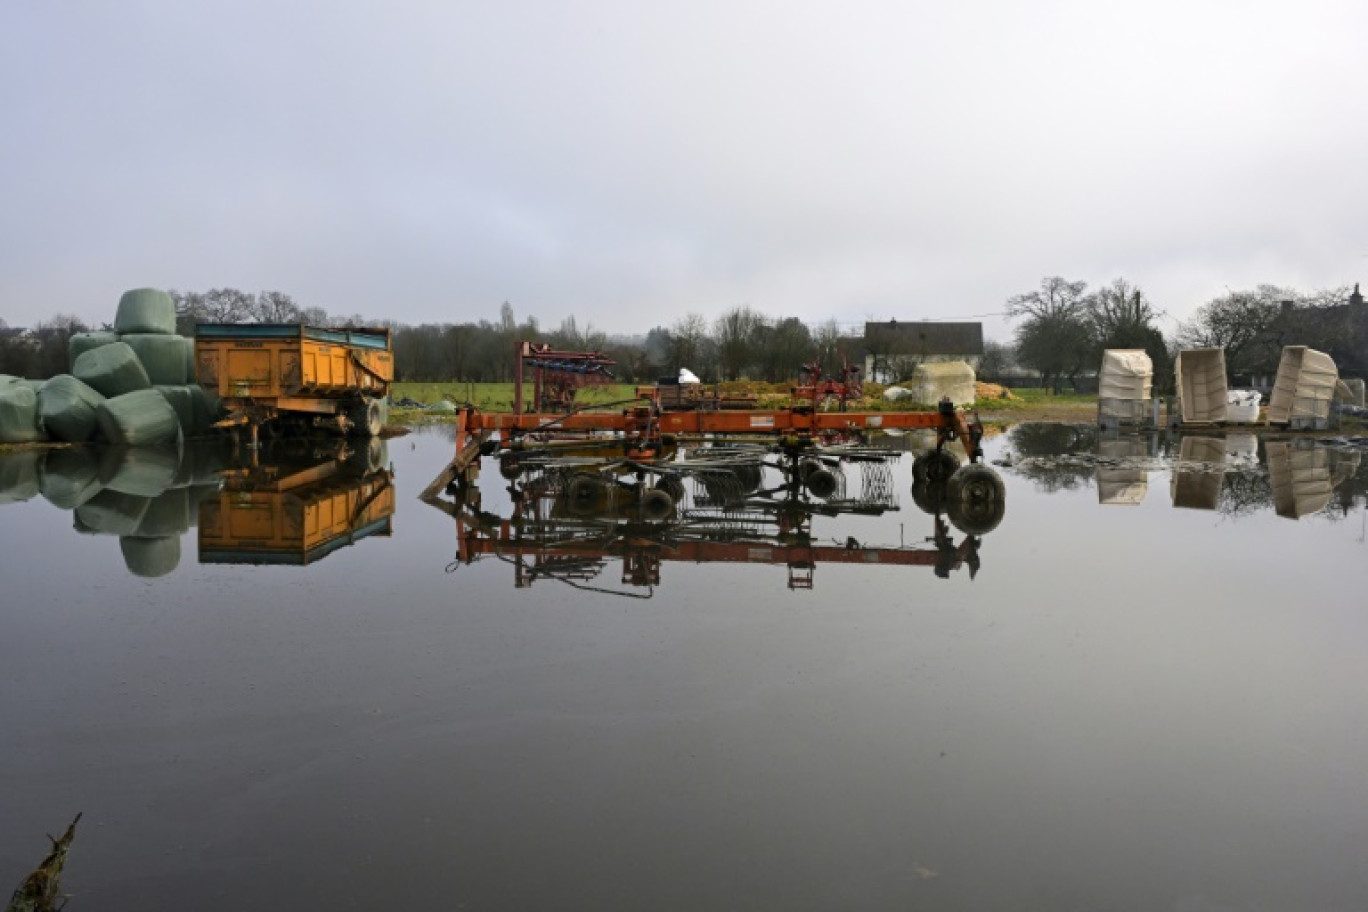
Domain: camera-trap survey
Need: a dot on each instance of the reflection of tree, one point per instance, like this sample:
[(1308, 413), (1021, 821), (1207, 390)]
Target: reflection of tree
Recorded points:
[(1244, 493), (1053, 439)]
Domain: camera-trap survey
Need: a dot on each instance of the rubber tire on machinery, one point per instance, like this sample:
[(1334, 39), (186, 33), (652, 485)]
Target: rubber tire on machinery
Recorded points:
[(368, 458), (671, 485), (656, 505), (749, 476), (367, 418), (820, 483), (930, 497), (586, 495), (977, 499), (934, 466), (510, 468)]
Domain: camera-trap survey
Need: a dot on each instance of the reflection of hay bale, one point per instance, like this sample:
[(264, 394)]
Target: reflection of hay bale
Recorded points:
[(19, 475), (112, 513), (141, 471), (167, 514), (151, 557), (1301, 479), (70, 477), (67, 408), (18, 414), (1303, 389), (142, 418), (146, 310), (111, 370), (1199, 474), (198, 496), (163, 357)]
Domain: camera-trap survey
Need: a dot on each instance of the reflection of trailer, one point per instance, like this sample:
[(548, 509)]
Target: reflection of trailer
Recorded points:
[(266, 371)]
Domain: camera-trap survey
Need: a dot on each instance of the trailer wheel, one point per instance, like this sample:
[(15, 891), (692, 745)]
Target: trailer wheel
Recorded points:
[(820, 483), (656, 505), (586, 495), (934, 466), (671, 485), (977, 499), (367, 418)]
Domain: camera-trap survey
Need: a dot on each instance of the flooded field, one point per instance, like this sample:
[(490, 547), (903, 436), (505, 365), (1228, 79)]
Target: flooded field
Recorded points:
[(295, 685)]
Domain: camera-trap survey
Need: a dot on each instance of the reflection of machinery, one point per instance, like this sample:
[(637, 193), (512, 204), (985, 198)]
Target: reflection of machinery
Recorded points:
[(710, 506), (298, 504)]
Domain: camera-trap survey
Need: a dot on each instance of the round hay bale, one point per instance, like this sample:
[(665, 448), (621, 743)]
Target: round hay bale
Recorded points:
[(19, 475), (19, 414), (70, 477), (208, 408), (80, 343), (112, 513), (190, 371), (182, 400), (141, 471), (66, 408), (163, 357), (142, 418), (200, 498), (112, 370), (207, 459), (151, 557), (167, 514), (146, 310)]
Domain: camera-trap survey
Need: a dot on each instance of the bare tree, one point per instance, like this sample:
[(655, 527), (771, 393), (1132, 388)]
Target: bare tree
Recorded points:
[(1055, 337), (736, 334)]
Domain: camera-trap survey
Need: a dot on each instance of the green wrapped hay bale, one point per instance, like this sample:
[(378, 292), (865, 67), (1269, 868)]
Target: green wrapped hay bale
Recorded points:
[(182, 400), (163, 357), (112, 370), (167, 514), (197, 496), (146, 310), (190, 373), (141, 471), (18, 414), (208, 408), (70, 477), (19, 475), (66, 409), (112, 513), (142, 418), (151, 557), (80, 343), (208, 458)]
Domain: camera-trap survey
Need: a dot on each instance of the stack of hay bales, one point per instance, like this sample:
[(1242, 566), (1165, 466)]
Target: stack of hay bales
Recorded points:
[(134, 386)]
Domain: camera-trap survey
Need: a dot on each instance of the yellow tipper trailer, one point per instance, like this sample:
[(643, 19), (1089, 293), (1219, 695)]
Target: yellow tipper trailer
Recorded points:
[(262, 371)]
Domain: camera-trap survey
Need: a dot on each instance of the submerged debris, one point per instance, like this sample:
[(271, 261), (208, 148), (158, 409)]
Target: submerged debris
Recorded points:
[(42, 890)]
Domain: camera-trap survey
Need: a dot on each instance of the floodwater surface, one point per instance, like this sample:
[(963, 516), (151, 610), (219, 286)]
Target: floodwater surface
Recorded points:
[(297, 686)]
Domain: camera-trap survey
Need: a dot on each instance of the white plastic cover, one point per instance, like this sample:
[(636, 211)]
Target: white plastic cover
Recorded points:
[(1201, 378), (1127, 373), (688, 376), (1304, 386), (1242, 406)]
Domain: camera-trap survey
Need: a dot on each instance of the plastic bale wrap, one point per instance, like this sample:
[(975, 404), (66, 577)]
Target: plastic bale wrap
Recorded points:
[(146, 310), (163, 357), (141, 471), (167, 514), (1242, 406), (191, 374), (70, 477), (937, 380), (207, 409), (151, 557), (19, 475), (198, 495), (18, 414), (112, 370), (182, 399), (66, 408), (80, 343), (207, 459), (112, 513), (143, 418)]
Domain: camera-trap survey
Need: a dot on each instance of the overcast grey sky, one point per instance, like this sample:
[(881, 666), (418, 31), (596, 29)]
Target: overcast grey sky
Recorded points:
[(627, 162)]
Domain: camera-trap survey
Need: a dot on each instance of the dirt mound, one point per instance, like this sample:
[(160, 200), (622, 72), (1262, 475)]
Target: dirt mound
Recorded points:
[(991, 391)]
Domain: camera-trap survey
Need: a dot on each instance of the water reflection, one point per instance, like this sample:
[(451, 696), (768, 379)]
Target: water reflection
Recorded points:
[(292, 503), (1235, 474), (568, 521)]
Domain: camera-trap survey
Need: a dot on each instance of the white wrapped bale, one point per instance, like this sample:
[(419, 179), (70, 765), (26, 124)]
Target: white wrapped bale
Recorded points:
[(140, 471), (70, 477), (163, 357), (146, 310), (66, 408), (112, 513), (167, 514), (142, 418), (112, 370), (19, 475), (18, 414), (80, 343), (151, 557)]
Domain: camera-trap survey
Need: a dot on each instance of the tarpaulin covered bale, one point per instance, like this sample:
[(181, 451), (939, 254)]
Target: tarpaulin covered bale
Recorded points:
[(112, 513), (143, 471), (167, 514), (182, 400), (936, 380), (80, 343), (1303, 388), (19, 475), (1124, 386), (151, 557), (143, 418), (70, 477), (146, 310), (1201, 380), (163, 357), (18, 414), (66, 408), (112, 370)]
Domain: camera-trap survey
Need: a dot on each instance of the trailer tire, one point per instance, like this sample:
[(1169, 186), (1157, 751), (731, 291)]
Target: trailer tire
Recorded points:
[(656, 505), (977, 499), (934, 466), (820, 483), (367, 418), (586, 495)]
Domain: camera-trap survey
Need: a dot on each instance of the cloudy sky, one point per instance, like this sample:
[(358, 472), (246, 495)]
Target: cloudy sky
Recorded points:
[(628, 162)]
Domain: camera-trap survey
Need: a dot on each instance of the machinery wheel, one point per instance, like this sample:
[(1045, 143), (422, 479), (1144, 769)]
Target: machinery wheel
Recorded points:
[(820, 483), (367, 417), (369, 457), (510, 468), (977, 499), (656, 505), (749, 476), (934, 465), (671, 485), (585, 495), (929, 497)]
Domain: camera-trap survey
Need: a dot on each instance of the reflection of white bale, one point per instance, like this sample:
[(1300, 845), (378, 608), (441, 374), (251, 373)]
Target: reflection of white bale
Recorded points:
[(112, 513), (1301, 479), (1303, 389), (141, 471), (1241, 450), (1200, 472), (151, 557), (1122, 485), (70, 477), (1242, 406), (19, 475)]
